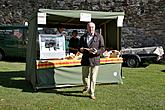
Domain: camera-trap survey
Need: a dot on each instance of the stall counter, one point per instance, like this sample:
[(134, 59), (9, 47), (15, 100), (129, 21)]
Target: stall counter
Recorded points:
[(54, 73), (73, 62)]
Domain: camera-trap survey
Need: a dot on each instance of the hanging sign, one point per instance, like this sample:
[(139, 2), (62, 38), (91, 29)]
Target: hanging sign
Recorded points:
[(86, 17), (120, 21), (41, 18)]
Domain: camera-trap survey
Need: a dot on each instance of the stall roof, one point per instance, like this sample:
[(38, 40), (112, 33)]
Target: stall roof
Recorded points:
[(72, 17)]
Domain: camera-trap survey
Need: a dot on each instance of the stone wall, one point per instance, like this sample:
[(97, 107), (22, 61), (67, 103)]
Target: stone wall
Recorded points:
[(144, 23)]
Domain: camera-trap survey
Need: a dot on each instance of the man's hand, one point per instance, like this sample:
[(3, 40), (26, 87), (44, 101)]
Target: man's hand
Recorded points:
[(92, 50), (82, 49)]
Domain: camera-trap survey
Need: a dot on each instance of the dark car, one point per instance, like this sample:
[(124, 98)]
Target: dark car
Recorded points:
[(13, 41)]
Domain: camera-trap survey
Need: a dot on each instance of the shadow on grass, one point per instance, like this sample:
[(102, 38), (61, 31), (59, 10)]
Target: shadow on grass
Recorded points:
[(163, 70), (15, 79), (15, 59), (65, 92), (75, 93)]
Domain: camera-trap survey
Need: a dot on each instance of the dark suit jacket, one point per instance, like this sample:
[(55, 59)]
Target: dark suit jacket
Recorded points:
[(97, 42)]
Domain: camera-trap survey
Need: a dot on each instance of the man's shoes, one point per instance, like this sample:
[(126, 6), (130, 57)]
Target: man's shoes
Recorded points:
[(93, 97), (85, 91)]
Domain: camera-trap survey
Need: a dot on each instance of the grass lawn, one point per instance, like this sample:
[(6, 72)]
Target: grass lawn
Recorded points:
[(143, 89)]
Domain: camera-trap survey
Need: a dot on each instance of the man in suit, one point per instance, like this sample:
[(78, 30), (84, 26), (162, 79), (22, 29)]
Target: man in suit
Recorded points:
[(91, 45)]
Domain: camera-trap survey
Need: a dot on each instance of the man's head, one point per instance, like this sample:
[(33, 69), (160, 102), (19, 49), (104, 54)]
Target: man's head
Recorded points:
[(91, 27), (74, 33), (60, 28)]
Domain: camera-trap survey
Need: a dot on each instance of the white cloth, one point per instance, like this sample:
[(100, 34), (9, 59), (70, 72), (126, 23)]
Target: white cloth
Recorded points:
[(146, 50)]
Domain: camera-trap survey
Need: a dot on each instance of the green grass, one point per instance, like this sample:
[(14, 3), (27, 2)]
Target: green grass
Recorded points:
[(143, 89)]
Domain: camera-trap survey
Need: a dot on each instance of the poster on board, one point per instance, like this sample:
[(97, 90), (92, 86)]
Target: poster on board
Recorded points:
[(51, 46)]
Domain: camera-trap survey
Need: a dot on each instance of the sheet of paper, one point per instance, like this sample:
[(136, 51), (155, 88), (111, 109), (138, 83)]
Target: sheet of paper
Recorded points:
[(86, 17), (41, 18), (120, 21)]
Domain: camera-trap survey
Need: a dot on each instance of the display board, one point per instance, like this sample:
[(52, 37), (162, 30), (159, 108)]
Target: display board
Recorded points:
[(51, 46)]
